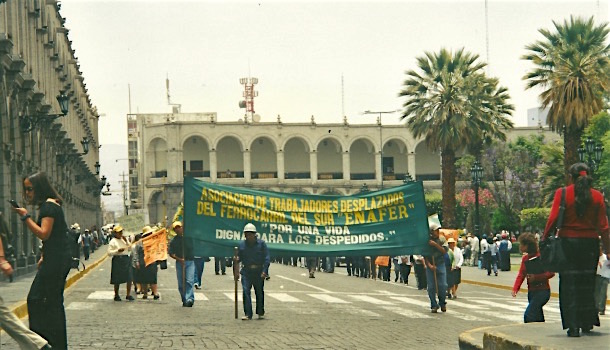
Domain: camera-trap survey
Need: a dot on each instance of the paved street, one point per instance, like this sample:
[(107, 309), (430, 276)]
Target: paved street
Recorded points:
[(332, 311)]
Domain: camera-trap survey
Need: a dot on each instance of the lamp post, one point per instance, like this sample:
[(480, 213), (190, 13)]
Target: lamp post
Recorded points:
[(28, 123), (591, 153), (476, 171), (380, 136)]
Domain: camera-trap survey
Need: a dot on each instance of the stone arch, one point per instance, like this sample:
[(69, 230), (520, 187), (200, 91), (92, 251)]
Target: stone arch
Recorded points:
[(263, 157), (329, 152), (156, 152), (196, 156), (229, 156), (297, 158), (362, 159)]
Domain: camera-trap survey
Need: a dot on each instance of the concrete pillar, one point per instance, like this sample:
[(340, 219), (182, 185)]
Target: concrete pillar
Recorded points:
[(247, 167), (346, 166), (378, 170), (213, 166), (280, 165), (313, 165), (411, 164)]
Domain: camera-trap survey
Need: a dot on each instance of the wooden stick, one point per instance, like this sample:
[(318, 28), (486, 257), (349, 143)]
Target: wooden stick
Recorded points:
[(235, 277)]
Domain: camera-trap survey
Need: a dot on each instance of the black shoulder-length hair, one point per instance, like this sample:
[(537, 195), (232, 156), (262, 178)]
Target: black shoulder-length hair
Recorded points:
[(43, 189)]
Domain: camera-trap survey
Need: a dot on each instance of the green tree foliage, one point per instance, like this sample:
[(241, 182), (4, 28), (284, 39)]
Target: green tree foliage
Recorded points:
[(534, 219), (571, 68), (552, 171), (451, 103)]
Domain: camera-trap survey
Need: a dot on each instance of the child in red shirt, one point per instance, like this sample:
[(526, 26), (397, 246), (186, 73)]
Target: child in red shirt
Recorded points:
[(538, 288)]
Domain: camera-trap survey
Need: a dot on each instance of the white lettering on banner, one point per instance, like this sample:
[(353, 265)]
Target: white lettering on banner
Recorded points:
[(228, 234)]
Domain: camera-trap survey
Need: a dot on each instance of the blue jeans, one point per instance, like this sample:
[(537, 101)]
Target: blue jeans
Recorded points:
[(199, 264), (249, 279), (537, 299), (441, 279), (186, 293)]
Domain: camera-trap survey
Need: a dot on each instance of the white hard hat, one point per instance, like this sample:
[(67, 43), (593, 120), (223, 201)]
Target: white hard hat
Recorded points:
[(250, 228)]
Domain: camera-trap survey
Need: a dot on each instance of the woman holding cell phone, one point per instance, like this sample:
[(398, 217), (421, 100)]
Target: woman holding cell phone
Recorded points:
[(46, 297)]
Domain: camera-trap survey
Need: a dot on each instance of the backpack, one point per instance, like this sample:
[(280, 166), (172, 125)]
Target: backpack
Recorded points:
[(74, 249)]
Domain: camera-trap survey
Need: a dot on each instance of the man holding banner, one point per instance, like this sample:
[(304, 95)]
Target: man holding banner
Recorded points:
[(436, 273), (255, 259), (181, 249)]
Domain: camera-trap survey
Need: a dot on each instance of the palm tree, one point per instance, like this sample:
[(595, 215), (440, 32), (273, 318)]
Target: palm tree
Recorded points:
[(453, 105), (572, 69)]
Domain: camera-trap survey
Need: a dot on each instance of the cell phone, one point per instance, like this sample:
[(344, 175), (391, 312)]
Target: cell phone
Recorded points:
[(14, 203)]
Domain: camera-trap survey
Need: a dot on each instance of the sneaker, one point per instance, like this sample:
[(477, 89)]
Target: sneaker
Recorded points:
[(129, 298), (189, 303), (224, 273), (246, 318), (217, 273), (260, 317), (574, 332), (145, 296), (156, 297), (117, 298), (434, 310), (444, 308), (496, 273), (197, 286)]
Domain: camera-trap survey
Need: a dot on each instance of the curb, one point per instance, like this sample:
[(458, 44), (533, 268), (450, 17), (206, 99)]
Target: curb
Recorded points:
[(21, 309)]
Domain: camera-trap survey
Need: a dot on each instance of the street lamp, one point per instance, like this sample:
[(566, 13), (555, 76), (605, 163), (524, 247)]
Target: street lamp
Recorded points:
[(97, 168), (476, 171), (380, 136), (364, 188), (27, 123), (591, 154)]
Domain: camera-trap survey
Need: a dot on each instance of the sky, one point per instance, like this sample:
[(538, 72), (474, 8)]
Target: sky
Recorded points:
[(320, 58)]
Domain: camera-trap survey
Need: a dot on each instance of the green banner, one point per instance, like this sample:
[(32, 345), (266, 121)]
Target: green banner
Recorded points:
[(391, 221)]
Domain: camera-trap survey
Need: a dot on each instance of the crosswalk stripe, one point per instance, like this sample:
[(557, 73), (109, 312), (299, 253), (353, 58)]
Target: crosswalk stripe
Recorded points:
[(371, 300), (200, 297), (545, 308), (462, 316), (231, 296), (499, 314), (412, 301), (406, 313), (360, 312), (329, 299), (464, 305), (101, 295), (499, 305), (283, 297)]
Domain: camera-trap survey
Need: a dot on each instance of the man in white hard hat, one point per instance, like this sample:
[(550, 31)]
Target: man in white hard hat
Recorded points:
[(254, 257), (436, 272)]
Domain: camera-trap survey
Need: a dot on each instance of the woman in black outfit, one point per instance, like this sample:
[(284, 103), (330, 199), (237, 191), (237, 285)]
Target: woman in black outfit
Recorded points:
[(46, 297), (584, 221)]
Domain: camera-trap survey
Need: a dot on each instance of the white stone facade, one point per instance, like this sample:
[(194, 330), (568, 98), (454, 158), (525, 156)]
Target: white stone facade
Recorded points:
[(296, 157)]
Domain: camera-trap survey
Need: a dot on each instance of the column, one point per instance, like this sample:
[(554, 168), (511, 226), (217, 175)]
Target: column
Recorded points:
[(313, 166), (378, 170), (280, 165), (247, 167), (411, 164), (213, 166), (346, 166)]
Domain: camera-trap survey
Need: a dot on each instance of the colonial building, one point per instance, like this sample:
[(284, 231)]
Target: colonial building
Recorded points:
[(296, 157), (47, 120)]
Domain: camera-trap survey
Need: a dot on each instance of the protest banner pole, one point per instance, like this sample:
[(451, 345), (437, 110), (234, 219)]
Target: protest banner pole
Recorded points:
[(235, 277), (435, 280)]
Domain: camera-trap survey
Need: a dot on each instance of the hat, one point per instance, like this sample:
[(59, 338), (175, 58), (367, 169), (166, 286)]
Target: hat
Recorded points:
[(469, 234), (86, 230), (147, 229), (176, 224), (434, 226), (118, 228), (495, 238), (451, 240), (250, 228), (76, 226)]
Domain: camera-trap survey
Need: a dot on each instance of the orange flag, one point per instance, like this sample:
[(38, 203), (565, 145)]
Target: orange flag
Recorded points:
[(155, 247)]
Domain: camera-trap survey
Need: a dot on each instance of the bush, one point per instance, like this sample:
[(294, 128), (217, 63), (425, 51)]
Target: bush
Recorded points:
[(534, 219)]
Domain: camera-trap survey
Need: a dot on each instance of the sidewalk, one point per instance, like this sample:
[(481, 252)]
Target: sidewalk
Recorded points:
[(15, 293), (547, 335)]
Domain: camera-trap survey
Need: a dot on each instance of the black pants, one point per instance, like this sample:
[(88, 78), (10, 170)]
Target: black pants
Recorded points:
[(219, 264), (46, 301), (420, 275)]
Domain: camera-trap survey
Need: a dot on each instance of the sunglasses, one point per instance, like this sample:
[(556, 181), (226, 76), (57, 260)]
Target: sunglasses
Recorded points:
[(29, 189)]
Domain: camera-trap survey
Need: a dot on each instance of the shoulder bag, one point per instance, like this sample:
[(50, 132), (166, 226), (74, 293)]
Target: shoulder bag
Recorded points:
[(551, 251)]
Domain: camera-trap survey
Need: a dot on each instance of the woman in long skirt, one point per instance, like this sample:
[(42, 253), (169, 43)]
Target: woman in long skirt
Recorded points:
[(584, 222), (118, 248)]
